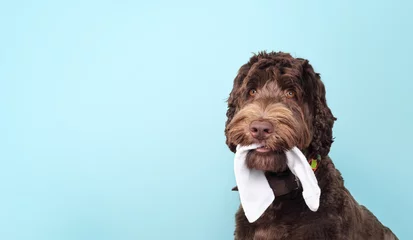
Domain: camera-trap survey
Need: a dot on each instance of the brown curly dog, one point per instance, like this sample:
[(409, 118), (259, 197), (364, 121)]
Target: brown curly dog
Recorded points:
[(279, 101)]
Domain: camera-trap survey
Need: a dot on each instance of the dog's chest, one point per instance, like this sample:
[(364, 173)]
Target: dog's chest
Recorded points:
[(277, 223), (272, 233)]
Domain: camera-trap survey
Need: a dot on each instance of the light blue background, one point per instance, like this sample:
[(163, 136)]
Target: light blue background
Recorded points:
[(112, 112)]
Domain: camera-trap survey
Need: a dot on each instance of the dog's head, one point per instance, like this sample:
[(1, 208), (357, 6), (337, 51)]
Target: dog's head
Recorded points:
[(279, 102)]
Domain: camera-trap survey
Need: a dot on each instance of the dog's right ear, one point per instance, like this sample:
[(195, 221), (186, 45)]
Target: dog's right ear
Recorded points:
[(233, 100)]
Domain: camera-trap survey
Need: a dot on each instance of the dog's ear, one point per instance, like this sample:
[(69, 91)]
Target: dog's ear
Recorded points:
[(323, 119), (234, 100)]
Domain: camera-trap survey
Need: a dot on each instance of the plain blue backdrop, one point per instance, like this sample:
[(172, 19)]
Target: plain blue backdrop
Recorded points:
[(112, 112)]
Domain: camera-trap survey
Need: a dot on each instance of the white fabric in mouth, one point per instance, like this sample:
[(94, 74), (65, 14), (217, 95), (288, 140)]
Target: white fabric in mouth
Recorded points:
[(299, 166), (255, 192)]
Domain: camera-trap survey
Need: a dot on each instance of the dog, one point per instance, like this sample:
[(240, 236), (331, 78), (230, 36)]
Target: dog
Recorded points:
[(279, 101)]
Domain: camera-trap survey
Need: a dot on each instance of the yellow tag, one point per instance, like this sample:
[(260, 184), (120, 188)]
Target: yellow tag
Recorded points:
[(314, 164)]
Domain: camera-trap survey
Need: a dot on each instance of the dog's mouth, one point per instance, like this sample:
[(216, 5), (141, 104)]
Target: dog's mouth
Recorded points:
[(263, 149), (267, 159)]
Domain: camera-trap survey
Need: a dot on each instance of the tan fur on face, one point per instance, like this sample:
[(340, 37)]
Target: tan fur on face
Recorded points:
[(289, 128)]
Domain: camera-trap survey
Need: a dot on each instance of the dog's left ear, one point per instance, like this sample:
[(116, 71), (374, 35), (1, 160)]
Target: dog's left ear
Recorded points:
[(323, 119)]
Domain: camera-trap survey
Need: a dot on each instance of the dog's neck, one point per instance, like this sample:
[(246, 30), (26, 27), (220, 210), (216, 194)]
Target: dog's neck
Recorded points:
[(282, 183)]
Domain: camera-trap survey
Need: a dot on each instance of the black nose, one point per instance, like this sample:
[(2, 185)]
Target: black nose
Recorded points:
[(261, 129)]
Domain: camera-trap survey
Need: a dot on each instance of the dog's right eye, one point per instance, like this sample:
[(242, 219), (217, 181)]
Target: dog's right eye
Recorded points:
[(252, 92)]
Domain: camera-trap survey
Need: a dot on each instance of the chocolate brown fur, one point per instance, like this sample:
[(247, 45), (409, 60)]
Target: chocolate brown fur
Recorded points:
[(304, 121)]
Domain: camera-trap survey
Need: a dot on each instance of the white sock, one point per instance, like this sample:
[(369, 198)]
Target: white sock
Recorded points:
[(299, 166), (253, 187), (254, 190)]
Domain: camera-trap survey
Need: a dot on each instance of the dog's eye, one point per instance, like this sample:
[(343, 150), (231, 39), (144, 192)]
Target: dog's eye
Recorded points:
[(290, 94), (252, 92)]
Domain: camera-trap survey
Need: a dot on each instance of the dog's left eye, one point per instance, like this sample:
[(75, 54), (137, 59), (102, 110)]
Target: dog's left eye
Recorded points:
[(290, 94)]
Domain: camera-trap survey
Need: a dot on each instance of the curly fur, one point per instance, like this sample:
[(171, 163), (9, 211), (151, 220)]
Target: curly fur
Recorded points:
[(304, 121)]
